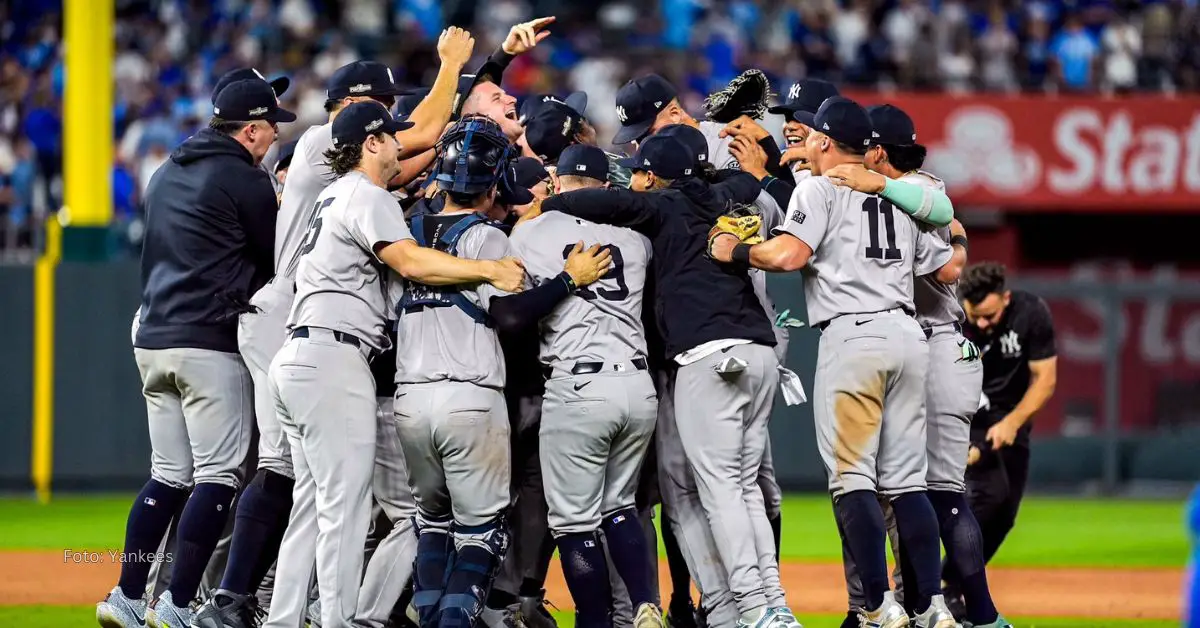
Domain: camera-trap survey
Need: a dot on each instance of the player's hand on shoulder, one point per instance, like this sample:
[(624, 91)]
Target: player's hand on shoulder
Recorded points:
[(455, 46), (751, 156), (507, 274), (856, 177), (524, 36), (745, 126), (587, 266)]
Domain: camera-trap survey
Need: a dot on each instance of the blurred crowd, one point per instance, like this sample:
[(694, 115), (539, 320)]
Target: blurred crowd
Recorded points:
[(168, 54)]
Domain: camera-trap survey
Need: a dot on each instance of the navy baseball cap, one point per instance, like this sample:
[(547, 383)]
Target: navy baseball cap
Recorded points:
[(362, 119), (638, 102), (408, 102), (577, 102), (510, 189), (279, 85), (840, 118), (529, 172), (286, 152), (665, 156), (362, 78), (584, 160), (250, 99), (551, 129), (805, 95), (891, 126), (689, 136)]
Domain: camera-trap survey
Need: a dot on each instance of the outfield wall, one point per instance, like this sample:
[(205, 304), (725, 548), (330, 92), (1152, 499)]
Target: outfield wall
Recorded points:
[(100, 439)]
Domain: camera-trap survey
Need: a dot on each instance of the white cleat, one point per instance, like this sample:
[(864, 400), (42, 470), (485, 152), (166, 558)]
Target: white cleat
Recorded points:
[(648, 616), (118, 611), (938, 615), (889, 614)]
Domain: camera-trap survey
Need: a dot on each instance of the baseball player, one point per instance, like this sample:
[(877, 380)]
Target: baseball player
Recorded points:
[(196, 386), (449, 407), (716, 332), (324, 389), (600, 406), (955, 371), (551, 125), (804, 95), (263, 511), (869, 392)]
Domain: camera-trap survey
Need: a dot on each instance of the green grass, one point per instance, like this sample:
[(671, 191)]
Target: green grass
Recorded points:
[(1062, 532), (69, 616)]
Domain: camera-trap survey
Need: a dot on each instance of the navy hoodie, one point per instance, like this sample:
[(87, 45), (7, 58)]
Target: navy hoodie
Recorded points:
[(697, 299), (209, 245)]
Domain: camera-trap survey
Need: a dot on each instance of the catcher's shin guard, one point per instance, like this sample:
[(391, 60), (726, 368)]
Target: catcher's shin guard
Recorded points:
[(435, 553), (479, 551)]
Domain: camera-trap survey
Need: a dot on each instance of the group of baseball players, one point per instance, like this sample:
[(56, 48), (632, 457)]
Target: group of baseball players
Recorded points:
[(464, 337)]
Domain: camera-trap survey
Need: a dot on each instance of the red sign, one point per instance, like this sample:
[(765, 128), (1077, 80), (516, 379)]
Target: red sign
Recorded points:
[(1159, 356), (1064, 153)]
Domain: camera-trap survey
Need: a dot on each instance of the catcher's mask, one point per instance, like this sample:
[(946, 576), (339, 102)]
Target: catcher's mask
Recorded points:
[(472, 156)]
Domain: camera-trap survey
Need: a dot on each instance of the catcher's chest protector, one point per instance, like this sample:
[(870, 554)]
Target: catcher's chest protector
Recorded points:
[(443, 233)]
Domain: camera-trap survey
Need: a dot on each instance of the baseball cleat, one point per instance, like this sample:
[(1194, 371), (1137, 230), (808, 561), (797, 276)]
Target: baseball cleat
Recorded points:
[(1000, 622), (937, 615), (118, 611), (889, 614), (532, 612), (648, 616), (500, 617), (164, 614), (226, 609), (784, 618)]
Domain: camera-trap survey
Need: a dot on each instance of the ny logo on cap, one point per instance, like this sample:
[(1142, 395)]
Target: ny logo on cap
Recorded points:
[(258, 111), (794, 92), (374, 124), (566, 130), (581, 167), (645, 162), (361, 87), (658, 104), (621, 115), (874, 134)]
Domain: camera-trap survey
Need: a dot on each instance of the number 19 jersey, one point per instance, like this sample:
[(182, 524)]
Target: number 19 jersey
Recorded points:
[(601, 322), (864, 250)]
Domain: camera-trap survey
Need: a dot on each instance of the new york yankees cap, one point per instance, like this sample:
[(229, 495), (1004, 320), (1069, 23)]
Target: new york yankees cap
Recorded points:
[(689, 136), (286, 152), (665, 156), (511, 189), (584, 160), (250, 99), (279, 85), (362, 78), (551, 129), (362, 119), (638, 103), (840, 118), (577, 102), (529, 172), (805, 95), (891, 126)]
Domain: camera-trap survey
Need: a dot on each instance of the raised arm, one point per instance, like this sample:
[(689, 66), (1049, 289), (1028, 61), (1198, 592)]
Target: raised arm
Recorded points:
[(430, 117)]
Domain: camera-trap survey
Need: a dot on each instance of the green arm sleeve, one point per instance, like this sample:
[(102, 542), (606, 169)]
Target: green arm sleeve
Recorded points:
[(920, 202)]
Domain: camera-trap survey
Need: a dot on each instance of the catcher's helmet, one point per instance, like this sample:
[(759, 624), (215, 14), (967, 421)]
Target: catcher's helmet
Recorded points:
[(472, 156)]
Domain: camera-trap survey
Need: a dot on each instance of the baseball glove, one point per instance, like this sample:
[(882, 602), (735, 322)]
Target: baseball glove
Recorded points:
[(744, 227), (748, 94)]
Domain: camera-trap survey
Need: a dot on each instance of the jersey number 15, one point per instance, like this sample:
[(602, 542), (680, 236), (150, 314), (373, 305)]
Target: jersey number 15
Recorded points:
[(616, 272), (874, 206)]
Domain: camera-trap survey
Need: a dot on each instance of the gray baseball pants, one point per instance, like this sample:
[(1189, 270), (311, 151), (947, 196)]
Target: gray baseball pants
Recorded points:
[(722, 422), (260, 336)]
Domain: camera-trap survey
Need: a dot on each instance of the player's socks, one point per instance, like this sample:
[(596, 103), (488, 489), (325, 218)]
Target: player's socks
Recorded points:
[(434, 553), (200, 527), (862, 524), (681, 579), (964, 551), (480, 549), (149, 519), (261, 519), (586, 573), (777, 531), (627, 548), (917, 524)]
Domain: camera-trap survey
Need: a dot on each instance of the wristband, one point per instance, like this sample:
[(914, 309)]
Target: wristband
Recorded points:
[(566, 277), (741, 253), (960, 240)]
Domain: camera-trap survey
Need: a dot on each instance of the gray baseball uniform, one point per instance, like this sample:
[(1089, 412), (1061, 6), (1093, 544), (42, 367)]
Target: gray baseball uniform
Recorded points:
[(325, 396), (599, 407), (261, 333), (869, 390), (450, 411)]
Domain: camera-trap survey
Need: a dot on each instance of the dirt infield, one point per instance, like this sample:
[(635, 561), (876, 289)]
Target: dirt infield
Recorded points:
[(56, 578)]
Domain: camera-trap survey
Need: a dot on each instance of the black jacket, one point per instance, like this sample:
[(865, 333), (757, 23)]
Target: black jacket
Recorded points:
[(209, 245), (697, 300)]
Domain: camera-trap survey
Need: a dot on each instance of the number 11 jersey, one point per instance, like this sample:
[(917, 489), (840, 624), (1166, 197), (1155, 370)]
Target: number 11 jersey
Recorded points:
[(601, 322), (865, 251)]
